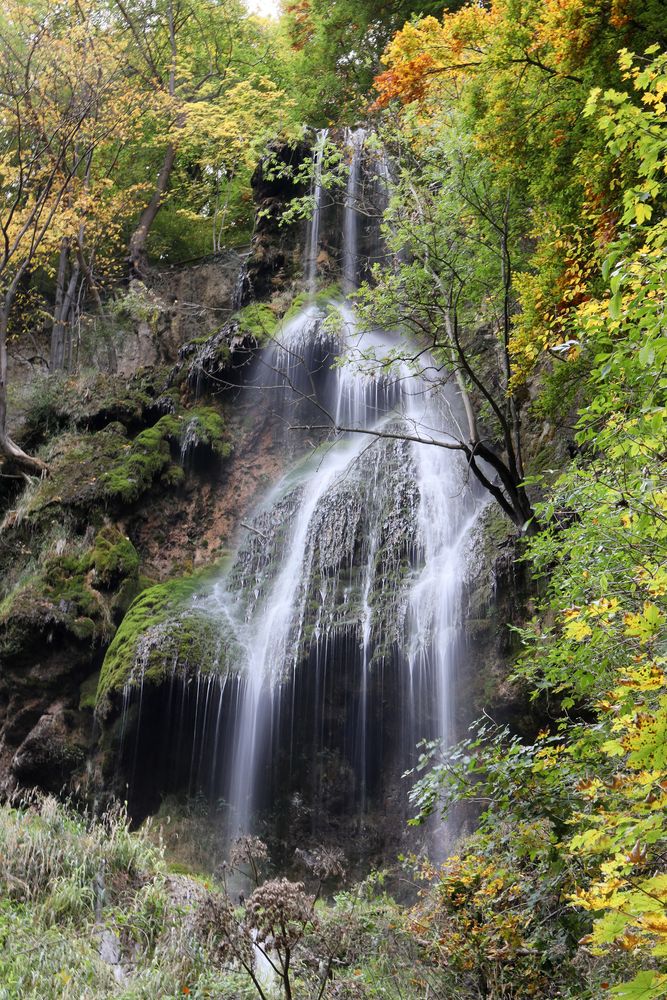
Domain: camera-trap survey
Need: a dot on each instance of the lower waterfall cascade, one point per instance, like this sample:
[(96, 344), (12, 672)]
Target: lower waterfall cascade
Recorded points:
[(340, 614)]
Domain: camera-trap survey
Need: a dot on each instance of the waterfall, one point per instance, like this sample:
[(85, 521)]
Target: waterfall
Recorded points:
[(354, 141), (316, 192), (354, 567), (344, 596)]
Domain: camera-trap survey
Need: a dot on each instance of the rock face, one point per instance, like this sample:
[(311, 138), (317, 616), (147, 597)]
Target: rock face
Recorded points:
[(498, 593), (275, 255), (53, 751), (148, 475), (133, 493)]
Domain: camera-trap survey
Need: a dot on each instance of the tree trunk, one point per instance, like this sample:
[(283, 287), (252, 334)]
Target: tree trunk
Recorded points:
[(137, 248), (64, 301), (56, 329), (89, 278)]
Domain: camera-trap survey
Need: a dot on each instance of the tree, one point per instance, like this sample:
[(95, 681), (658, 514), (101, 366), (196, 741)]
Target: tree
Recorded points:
[(519, 74), (225, 136), (189, 54), (332, 51), (63, 100), (453, 232), (595, 649)]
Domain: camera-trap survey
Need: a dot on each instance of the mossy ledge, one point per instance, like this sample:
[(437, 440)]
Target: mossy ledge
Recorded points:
[(216, 359), (107, 469), (166, 631), (78, 594)]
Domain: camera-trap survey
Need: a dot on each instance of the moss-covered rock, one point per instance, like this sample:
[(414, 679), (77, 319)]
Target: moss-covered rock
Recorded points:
[(90, 401), (105, 469), (63, 598), (77, 462), (210, 362), (54, 625), (88, 692), (53, 605), (204, 431), (166, 631), (113, 558), (141, 461), (325, 298), (258, 320), (216, 359)]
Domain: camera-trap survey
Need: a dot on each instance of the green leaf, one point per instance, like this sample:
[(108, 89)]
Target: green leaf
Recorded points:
[(615, 305), (645, 986)]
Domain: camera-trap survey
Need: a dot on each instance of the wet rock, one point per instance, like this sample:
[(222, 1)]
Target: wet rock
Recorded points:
[(52, 751), (275, 247)]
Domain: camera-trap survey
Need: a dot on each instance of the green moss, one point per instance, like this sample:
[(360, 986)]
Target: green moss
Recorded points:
[(90, 401), (55, 597), (205, 427), (142, 460), (257, 320), (77, 463), (106, 468), (63, 593), (113, 558), (149, 455), (326, 299), (163, 631), (88, 691)]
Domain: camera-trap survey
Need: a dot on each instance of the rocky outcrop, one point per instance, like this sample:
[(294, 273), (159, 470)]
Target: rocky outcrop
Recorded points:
[(71, 557), (499, 593), (275, 255), (53, 627), (54, 750)]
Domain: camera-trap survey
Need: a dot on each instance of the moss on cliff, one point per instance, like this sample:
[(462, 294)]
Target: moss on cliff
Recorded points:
[(118, 450), (263, 320), (106, 469), (77, 462), (91, 401), (205, 428), (141, 461), (325, 299), (62, 597), (257, 320), (113, 558), (166, 631)]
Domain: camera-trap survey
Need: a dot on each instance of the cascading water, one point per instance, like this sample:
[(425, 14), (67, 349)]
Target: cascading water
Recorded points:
[(316, 192), (355, 142), (344, 598)]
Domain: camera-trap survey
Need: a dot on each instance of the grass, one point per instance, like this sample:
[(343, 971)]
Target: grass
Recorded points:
[(75, 890), (90, 909)]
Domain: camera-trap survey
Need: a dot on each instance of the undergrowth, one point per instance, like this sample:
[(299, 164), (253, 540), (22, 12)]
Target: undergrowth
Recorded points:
[(91, 909)]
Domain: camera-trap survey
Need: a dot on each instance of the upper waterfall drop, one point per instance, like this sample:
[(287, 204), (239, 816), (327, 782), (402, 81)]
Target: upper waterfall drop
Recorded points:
[(316, 192), (355, 142)]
